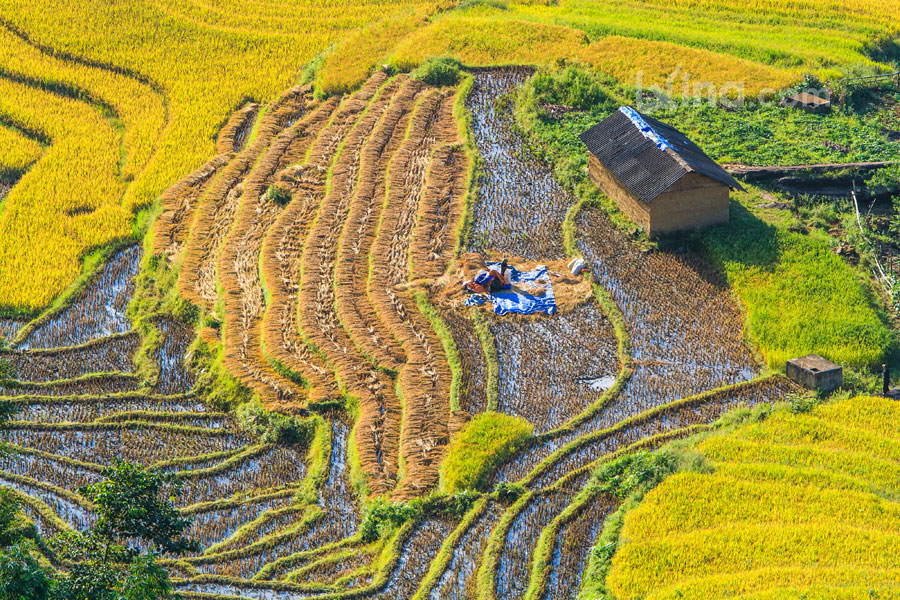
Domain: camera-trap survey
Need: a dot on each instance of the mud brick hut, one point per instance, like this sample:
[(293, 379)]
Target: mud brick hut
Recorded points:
[(656, 175)]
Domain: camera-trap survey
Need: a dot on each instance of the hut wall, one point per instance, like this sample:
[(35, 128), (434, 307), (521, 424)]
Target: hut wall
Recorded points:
[(628, 203), (693, 201)]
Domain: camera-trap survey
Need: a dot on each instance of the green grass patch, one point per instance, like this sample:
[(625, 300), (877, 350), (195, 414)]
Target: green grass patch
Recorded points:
[(439, 71), (482, 444), (771, 135), (798, 295)]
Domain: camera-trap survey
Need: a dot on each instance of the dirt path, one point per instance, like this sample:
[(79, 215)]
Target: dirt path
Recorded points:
[(758, 173)]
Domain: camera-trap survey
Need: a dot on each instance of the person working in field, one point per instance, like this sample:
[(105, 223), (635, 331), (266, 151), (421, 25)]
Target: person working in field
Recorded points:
[(489, 282)]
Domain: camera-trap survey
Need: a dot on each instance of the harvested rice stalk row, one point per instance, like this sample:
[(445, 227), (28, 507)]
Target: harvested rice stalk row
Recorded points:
[(439, 213), (377, 444), (356, 313), (197, 281), (285, 245), (425, 376), (239, 269), (234, 134), (178, 205), (281, 253), (442, 204)]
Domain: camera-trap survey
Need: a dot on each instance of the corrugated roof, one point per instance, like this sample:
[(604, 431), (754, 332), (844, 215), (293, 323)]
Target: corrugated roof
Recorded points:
[(647, 155)]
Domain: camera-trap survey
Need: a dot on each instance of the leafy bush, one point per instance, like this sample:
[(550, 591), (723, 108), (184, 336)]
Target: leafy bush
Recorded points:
[(13, 527), (7, 372), (137, 503), (381, 517), (21, 576), (885, 178), (624, 475), (275, 428), (439, 71), (508, 493), (278, 195), (571, 86), (482, 444)]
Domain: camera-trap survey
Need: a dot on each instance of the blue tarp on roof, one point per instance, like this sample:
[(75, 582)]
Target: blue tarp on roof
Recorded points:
[(649, 133)]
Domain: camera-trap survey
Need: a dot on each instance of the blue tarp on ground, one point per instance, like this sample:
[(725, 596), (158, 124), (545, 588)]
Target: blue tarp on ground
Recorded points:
[(516, 299)]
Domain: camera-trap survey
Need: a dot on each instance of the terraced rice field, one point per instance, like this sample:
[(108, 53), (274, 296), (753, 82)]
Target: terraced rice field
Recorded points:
[(788, 486), (306, 243)]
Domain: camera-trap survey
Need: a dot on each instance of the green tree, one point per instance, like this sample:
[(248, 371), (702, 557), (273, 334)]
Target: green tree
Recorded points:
[(21, 577), (133, 505), (137, 503), (146, 580)]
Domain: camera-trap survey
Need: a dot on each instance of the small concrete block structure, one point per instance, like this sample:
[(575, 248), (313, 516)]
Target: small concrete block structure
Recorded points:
[(814, 372), (657, 176), (807, 102)]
